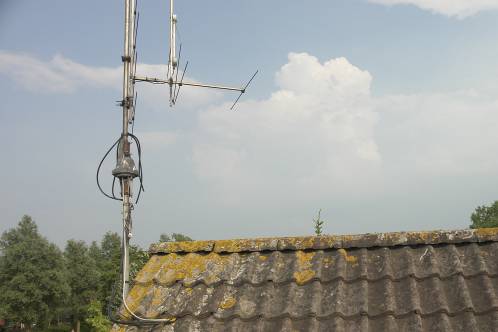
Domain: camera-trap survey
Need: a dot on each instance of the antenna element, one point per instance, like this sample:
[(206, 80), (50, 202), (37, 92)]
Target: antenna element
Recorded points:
[(173, 64)]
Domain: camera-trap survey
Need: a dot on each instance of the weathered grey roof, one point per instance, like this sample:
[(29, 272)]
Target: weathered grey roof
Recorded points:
[(424, 281)]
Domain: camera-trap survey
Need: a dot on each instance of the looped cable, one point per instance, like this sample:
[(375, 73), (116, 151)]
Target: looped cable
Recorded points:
[(140, 170)]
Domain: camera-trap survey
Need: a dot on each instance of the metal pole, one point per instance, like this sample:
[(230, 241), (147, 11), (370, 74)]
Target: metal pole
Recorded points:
[(125, 145), (126, 67), (171, 39), (131, 63)]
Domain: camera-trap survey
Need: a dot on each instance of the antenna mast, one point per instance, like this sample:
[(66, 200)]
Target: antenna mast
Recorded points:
[(126, 170)]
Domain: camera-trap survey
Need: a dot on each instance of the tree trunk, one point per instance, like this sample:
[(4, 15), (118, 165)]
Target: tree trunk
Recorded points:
[(78, 325)]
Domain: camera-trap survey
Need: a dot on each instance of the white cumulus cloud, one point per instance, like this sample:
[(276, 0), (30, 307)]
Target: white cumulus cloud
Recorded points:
[(449, 134), (453, 8), (321, 135), (63, 75), (316, 130), (58, 75)]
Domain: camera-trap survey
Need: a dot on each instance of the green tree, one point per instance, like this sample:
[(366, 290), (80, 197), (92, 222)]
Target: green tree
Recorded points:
[(83, 278), (165, 238), (175, 237), (108, 259), (318, 224), (107, 256), (95, 319), (485, 216), (138, 258), (32, 276)]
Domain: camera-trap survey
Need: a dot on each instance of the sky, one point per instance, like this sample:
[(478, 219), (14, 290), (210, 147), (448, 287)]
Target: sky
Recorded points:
[(381, 113)]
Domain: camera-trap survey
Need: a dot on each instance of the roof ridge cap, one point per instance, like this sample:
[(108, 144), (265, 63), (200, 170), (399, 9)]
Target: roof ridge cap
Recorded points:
[(367, 240)]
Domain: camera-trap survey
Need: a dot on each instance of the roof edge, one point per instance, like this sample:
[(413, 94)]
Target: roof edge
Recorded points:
[(328, 241)]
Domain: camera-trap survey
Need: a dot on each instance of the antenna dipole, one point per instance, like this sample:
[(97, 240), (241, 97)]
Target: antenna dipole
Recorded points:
[(172, 73)]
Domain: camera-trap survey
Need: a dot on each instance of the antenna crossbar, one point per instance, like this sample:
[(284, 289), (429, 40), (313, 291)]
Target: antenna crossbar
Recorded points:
[(180, 83)]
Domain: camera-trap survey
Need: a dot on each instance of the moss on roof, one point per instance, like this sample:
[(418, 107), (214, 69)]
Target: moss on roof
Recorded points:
[(327, 241)]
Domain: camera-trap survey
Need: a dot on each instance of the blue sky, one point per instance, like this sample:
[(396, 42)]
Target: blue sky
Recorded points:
[(382, 113)]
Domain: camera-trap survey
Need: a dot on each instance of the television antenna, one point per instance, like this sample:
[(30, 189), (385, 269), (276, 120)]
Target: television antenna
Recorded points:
[(126, 170), (173, 70)]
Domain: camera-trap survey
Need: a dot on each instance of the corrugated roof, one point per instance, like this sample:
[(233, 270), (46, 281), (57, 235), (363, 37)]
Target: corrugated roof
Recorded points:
[(424, 281)]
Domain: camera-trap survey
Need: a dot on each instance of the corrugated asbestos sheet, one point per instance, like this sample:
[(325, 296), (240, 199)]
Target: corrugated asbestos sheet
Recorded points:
[(435, 281)]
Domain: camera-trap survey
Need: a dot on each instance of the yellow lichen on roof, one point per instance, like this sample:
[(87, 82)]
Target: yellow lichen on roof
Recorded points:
[(191, 267), (150, 269), (303, 277), (157, 297), (134, 298), (348, 258), (304, 258), (485, 232), (301, 242), (183, 246), (327, 261), (227, 303), (262, 258), (328, 241), (304, 271), (229, 245), (258, 244), (425, 236), (397, 237)]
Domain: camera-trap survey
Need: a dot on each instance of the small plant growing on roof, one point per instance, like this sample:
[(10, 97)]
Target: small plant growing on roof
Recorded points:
[(318, 223)]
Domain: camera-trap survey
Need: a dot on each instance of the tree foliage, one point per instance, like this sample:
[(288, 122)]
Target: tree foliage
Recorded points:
[(485, 216), (107, 257), (138, 258), (175, 237), (95, 319), (83, 278), (39, 284), (32, 275)]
